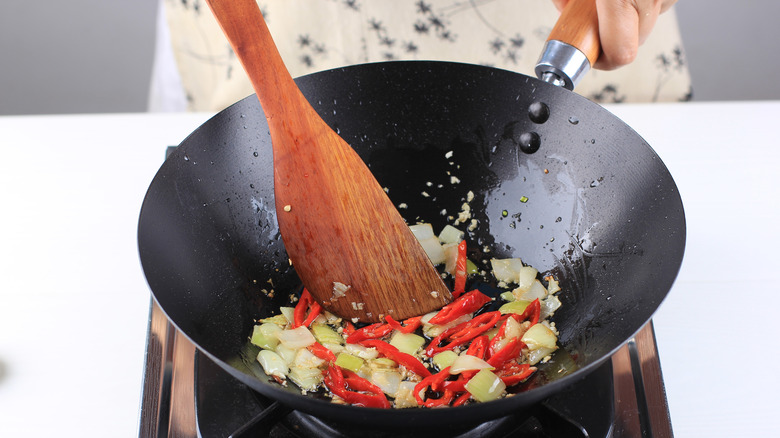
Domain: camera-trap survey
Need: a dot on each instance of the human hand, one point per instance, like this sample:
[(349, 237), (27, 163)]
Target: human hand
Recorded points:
[(624, 25)]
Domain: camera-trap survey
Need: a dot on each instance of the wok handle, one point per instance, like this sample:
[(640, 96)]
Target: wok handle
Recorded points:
[(573, 45)]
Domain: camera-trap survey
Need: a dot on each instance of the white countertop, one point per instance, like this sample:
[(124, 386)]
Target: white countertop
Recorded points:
[(74, 302)]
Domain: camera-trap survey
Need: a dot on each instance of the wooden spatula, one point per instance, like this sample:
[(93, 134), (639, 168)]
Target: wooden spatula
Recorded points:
[(349, 245)]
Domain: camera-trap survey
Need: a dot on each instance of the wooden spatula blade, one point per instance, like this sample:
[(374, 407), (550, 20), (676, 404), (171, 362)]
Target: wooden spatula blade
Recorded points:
[(348, 243)]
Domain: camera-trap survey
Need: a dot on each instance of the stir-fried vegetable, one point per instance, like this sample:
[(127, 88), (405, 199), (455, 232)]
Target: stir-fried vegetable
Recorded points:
[(463, 353)]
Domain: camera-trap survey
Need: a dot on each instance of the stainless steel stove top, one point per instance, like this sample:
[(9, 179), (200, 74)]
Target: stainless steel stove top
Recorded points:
[(168, 407)]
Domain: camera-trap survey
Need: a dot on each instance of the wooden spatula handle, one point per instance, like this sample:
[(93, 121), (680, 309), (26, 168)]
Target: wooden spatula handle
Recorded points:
[(578, 26), (243, 24)]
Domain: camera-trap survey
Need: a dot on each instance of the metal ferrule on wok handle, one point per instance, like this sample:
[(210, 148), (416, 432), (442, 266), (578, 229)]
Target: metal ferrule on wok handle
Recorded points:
[(572, 47)]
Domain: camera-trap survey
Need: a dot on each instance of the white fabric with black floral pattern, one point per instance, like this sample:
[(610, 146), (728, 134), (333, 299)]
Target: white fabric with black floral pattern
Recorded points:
[(315, 35)]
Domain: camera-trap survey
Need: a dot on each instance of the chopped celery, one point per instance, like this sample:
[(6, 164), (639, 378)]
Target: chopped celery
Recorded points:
[(485, 386), (507, 296), (326, 335), (350, 362), (264, 335), (471, 267), (407, 342), (286, 353), (517, 306), (272, 364), (444, 359)]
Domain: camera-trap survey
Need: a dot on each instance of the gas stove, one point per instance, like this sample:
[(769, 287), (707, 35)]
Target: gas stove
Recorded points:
[(186, 395)]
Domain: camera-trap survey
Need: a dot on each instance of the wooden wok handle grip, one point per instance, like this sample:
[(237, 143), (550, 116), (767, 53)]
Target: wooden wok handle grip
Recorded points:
[(573, 45), (578, 26)]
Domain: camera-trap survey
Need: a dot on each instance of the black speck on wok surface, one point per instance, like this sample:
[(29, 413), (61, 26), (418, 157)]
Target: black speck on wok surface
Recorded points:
[(601, 213)]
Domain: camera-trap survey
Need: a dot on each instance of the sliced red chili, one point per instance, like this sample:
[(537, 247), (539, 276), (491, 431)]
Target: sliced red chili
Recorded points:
[(407, 360), (338, 384), (532, 312), (463, 333), (513, 373), (478, 347), (306, 304), (462, 399), (373, 331), (460, 271), (409, 326), (467, 303), (433, 381), (510, 351), (322, 352)]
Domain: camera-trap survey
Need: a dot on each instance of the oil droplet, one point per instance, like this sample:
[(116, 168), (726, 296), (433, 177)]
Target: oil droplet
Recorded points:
[(539, 112), (186, 158), (573, 120), (255, 154), (251, 186)]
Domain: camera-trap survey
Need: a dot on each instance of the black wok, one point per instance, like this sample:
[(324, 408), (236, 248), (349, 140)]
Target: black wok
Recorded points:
[(594, 206)]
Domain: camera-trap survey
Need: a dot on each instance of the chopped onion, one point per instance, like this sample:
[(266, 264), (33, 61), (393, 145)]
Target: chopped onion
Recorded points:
[(433, 249), (540, 336), (535, 291), (264, 335), (450, 234), (308, 379), (467, 362), (404, 398), (361, 351), (306, 359), (549, 306), (286, 353), (296, 338), (506, 269), (422, 231), (526, 276), (272, 363), (388, 380), (450, 257)]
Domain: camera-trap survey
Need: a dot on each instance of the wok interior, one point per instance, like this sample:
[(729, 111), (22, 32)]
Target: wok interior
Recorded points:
[(594, 206)]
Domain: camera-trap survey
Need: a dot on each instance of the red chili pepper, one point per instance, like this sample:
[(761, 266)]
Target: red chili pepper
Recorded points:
[(532, 312), (407, 360), (513, 373), (478, 347), (348, 329), (464, 304), (305, 304), (462, 399), (322, 352), (410, 324), (444, 400), (357, 383), (463, 333), (501, 332), (373, 331), (460, 271), (337, 384), (434, 381), (510, 351)]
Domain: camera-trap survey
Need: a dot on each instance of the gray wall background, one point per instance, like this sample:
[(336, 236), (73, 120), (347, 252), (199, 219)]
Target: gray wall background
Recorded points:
[(92, 56)]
